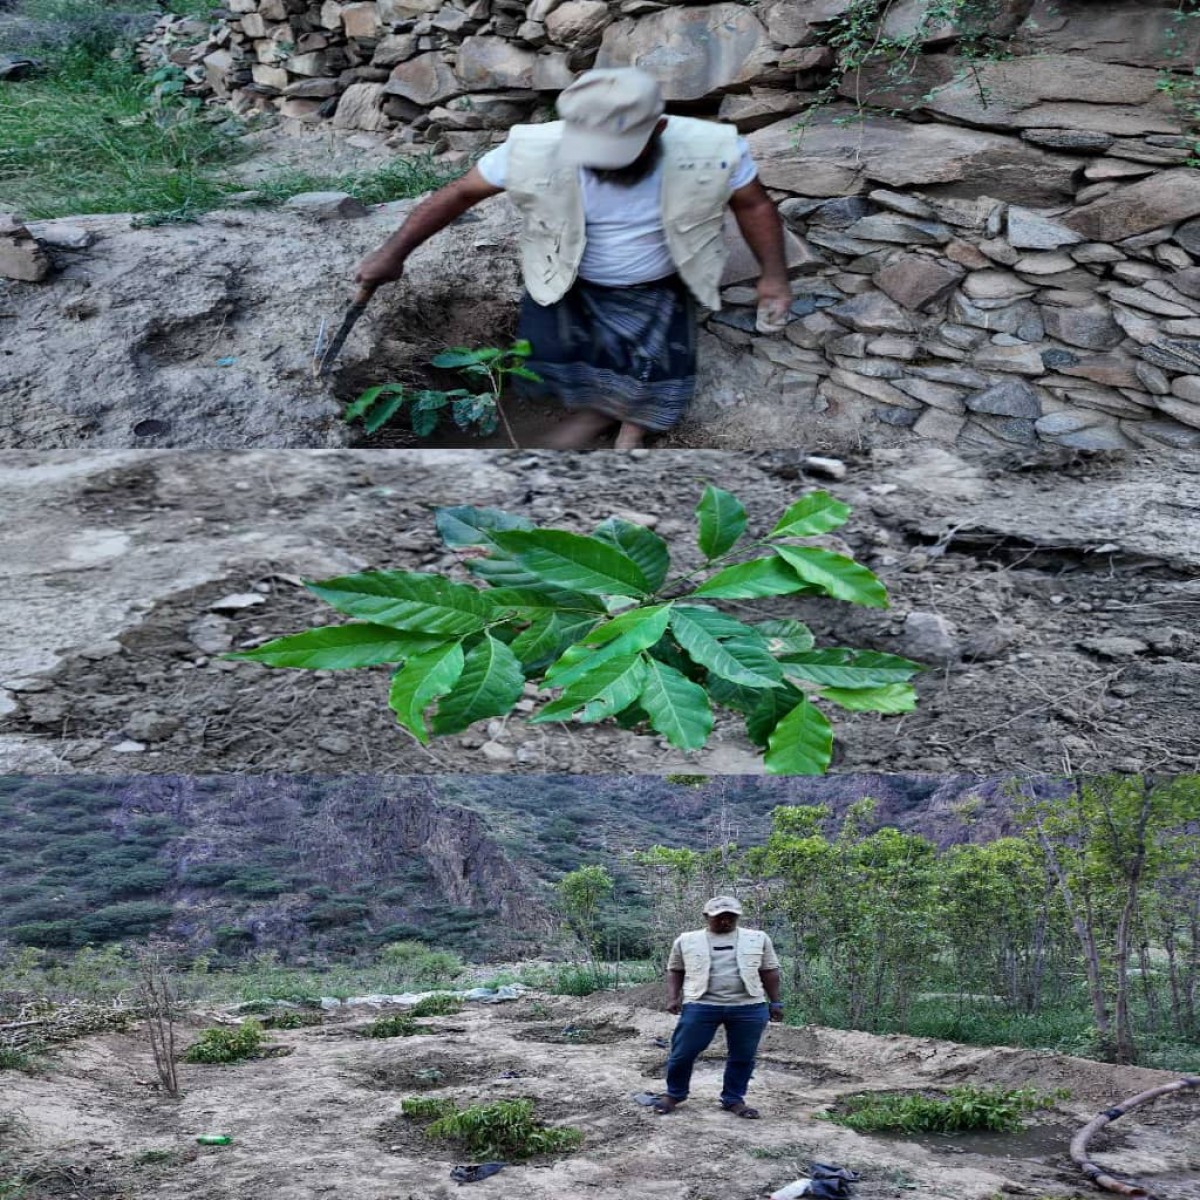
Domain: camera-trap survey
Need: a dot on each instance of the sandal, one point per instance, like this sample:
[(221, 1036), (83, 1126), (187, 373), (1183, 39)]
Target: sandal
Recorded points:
[(665, 1106), (743, 1110)]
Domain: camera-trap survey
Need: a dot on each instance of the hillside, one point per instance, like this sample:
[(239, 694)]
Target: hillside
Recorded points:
[(321, 1115), (341, 865)]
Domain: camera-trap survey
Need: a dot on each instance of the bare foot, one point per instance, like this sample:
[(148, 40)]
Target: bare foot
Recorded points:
[(630, 437), (577, 431)]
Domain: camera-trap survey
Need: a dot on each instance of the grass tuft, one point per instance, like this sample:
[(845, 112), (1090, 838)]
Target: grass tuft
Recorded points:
[(961, 1110), (400, 1025), (505, 1129)]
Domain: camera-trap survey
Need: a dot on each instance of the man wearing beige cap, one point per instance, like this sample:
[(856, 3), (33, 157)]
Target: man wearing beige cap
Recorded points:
[(622, 240), (720, 977)]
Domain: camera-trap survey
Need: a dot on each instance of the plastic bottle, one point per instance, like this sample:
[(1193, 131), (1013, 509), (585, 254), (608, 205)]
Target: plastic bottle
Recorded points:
[(214, 1139)]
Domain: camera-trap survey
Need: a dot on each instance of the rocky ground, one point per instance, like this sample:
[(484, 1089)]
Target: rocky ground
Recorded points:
[(321, 1116), (1055, 603)]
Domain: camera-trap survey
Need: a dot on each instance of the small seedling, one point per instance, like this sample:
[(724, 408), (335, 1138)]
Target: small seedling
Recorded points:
[(400, 1025), (602, 620), (961, 1110), (293, 1020), (443, 1005), (505, 1129), (482, 411), (224, 1044)]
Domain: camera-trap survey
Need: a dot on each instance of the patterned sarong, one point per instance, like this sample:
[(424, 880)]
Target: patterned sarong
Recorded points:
[(628, 352)]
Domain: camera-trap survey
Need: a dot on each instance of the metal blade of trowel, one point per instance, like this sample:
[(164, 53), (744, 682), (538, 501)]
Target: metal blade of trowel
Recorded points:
[(357, 307)]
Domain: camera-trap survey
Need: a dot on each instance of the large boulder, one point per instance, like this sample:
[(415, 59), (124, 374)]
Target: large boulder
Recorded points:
[(798, 22), (1057, 91), (833, 157), (492, 63), (425, 80), (693, 52), (1139, 33), (1163, 199), (577, 22), (361, 107)]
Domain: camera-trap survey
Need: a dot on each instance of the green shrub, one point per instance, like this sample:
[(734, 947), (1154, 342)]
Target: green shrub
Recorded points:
[(12, 1059), (436, 1006), (416, 963), (427, 1108), (961, 1110), (293, 1020), (504, 1129), (399, 1025), (226, 1044)]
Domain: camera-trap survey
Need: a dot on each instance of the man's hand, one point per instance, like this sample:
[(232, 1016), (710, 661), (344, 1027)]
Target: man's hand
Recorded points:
[(385, 265), (776, 1013), (674, 1007), (774, 300)]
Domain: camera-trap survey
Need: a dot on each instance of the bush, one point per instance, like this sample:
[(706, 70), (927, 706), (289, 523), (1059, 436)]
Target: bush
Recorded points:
[(416, 963), (400, 1025), (505, 1129), (293, 1020), (961, 1110), (12, 1059), (225, 1044), (436, 1006)]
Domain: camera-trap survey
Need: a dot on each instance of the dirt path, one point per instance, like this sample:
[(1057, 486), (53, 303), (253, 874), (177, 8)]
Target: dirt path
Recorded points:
[(325, 1119), (1071, 592)]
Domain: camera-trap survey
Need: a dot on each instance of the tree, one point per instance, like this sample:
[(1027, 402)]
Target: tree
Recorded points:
[(581, 894)]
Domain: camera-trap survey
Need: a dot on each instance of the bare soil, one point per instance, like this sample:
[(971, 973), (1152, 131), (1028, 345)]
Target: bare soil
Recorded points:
[(1071, 587), (318, 1122)]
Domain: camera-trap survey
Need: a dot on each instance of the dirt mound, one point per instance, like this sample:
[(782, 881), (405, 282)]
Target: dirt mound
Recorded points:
[(1070, 593), (318, 1122)]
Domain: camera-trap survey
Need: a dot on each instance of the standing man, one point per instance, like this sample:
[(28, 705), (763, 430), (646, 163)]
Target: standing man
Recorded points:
[(623, 237), (720, 977)]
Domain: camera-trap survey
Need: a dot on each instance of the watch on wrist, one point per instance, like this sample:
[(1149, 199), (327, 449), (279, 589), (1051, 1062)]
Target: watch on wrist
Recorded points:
[(775, 1004)]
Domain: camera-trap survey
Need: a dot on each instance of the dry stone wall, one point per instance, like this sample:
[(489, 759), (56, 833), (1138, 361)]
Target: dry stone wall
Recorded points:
[(989, 252)]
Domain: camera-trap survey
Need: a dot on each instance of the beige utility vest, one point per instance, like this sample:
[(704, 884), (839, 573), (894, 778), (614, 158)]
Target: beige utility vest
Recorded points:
[(699, 158), (697, 962)]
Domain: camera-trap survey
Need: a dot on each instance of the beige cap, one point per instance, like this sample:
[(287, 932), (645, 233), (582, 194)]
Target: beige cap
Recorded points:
[(722, 904), (609, 116)]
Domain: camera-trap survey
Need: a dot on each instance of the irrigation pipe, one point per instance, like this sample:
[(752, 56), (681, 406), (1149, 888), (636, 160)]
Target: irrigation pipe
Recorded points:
[(1079, 1143)]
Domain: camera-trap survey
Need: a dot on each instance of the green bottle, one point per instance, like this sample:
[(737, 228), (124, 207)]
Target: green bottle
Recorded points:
[(214, 1139)]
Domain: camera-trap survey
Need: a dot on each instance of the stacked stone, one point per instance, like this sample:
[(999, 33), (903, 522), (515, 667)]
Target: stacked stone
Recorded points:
[(994, 325)]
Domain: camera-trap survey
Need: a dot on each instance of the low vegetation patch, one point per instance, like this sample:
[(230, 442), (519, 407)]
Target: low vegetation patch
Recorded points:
[(504, 1129), (92, 133), (443, 1005), (225, 1044), (12, 1059), (961, 1110), (400, 1025), (293, 1020)]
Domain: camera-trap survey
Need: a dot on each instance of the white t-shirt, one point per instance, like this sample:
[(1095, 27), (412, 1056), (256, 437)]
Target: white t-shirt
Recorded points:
[(626, 242)]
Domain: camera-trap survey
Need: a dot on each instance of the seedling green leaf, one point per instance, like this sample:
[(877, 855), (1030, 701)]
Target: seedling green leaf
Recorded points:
[(584, 564), (339, 648), (420, 682), (675, 706), (408, 600), (643, 545), (835, 575), (490, 684), (801, 744), (722, 521), (812, 515), (750, 580)]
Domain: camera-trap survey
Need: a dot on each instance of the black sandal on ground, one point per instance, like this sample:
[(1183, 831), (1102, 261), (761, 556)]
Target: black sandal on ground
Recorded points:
[(665, 1106), (742, 1110)]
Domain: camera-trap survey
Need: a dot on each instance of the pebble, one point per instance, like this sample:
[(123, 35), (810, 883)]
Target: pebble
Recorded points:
[(334, 743), (494, 752), (237, 601), (129, 747)]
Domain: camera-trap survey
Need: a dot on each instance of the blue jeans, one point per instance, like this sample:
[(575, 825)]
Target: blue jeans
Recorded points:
[(696, 1028)]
